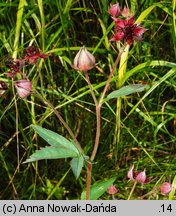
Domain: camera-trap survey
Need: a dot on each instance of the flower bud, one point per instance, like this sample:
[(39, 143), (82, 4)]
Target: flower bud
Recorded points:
[(84, 60), (141, 177), (115, 10), (131, 173), (165, 188), (112, 190), (125, 12), (23, 88)]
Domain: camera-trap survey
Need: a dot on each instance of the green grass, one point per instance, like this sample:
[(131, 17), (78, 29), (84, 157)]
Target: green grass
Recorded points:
[(148, 119)]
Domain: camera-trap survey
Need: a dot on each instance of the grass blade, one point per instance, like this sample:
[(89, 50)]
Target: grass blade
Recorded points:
[(18, 27)]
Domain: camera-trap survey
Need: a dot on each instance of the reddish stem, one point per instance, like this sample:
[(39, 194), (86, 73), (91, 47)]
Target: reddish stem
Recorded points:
[(91, 89), (98, 116), (88, 183), (110, 76)]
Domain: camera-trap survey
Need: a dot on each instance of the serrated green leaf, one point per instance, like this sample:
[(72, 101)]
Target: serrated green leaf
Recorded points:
[(77, 165), (55, 139), (51, 153), (126, 90), (98, 189)]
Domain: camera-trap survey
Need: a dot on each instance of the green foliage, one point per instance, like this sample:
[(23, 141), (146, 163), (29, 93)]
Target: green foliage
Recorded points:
[(172, 193), (60, 148), (77, 165), (55, 139), (98, 189), (126, 90), (51, 153)]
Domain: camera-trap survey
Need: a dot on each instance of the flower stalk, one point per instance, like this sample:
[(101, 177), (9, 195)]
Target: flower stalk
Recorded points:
[(98, 105), (98, 117), (85, 61), (132, 190)]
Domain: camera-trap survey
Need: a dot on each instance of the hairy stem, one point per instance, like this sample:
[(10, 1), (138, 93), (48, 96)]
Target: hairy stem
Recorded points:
[(88, 183), (98, 116), (98, 107), (110, 76), (90, 86)]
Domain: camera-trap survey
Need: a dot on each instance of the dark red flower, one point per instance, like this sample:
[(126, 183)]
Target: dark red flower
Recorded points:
[(15, 67), (32, 54), (127, 30)]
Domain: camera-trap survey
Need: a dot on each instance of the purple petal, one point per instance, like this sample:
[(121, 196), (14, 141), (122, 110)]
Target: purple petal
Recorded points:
[(119, 23), (141, 177), (138, 30), (130, 173), (131, 20), (118, 36)]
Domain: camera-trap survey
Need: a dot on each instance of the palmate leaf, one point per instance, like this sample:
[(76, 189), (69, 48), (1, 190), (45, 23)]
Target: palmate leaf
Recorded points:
[(60, 146), (126, 90), (51, 152), (98, 189), (55, 139)]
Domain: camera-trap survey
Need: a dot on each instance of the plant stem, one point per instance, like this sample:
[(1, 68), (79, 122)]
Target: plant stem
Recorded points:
[(98, 109), (90, 86), (88, 183), (16, 123), (89, 168), (110, 76), (132, 190), (98, 116)]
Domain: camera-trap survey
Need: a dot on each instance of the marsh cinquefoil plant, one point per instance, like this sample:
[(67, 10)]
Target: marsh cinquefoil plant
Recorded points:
[(84, 61)]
